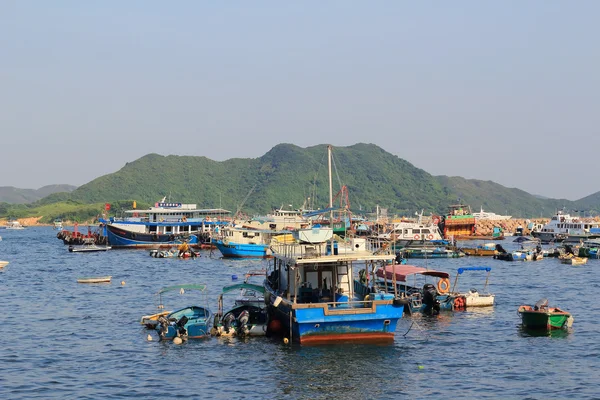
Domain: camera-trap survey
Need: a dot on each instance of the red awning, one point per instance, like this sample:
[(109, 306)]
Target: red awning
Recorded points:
[(402, 271)]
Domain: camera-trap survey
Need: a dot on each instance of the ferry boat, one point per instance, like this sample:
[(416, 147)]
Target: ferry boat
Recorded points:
[(490, 216), (241, 242), (563, 225), (164, 225), (404, 233)]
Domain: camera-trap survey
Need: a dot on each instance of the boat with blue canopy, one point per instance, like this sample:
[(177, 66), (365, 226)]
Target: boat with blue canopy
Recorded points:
[(191, 322)]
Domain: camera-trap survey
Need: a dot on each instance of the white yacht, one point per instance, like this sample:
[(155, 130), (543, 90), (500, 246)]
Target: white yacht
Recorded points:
[(490, 216), (405, 232), (14, 225)]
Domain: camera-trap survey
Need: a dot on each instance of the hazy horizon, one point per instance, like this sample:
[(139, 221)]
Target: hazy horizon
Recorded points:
[(492, 91)]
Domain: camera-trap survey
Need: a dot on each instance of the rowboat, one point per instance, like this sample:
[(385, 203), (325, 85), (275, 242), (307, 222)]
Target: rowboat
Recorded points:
[(99, 279), (540, 316), (3, 264), (573, 260)]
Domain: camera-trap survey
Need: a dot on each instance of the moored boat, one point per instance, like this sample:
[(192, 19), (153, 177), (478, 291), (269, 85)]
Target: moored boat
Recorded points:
[(569, 259), (97, 279), (3, 264), (164, 225), (540, 316), (246, 318), (310, 294), (88, 248), (191, 322)]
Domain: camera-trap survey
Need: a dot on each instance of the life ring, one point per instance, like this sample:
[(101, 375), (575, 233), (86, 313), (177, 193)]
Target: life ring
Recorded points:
[(430, 236), (417, 237), (443, 286)]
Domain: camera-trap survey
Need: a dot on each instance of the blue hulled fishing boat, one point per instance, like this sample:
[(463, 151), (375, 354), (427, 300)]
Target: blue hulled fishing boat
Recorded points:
[(311, 297)]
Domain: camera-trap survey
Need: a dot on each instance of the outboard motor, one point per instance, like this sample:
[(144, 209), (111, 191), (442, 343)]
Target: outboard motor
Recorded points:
[(228, 322), (541, 305), (500, 249), (430, 302), (243, 319), (180, 325)]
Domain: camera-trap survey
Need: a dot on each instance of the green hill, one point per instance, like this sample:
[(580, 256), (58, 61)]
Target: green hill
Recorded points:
[(13, 195), (289, 174)]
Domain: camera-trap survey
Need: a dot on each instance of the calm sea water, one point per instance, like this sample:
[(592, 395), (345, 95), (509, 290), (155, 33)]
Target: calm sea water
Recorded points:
[(61, 339)]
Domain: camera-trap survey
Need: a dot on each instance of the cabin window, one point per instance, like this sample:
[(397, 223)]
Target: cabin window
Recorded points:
[(425, 231), (416, 231)]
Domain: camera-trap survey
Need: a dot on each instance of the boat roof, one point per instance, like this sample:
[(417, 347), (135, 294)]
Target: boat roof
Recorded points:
[(336, 258), (193, 286), (245, 285), (179, 210), (403, 271), (463, 269)]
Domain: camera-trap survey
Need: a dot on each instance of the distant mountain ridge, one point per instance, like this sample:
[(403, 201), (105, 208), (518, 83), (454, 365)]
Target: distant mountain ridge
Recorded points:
[(289, 174), (13, 195)]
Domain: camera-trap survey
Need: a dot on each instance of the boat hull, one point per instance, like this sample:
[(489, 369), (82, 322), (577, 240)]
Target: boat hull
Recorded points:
[(196, 327), (543, 319), (242, 250), (322, 323), (121, 238)]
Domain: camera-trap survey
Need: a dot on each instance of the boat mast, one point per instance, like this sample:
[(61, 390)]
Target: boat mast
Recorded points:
[(330, 197)]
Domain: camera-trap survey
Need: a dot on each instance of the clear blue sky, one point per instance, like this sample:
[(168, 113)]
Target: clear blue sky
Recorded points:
[(507, 91)]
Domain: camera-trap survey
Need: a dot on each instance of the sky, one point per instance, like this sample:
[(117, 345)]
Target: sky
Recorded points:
[(506, 91)]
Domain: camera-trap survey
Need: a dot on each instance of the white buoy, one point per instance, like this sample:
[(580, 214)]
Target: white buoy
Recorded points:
[(177, 340), (149, 337), (181, 291), (286, 340)]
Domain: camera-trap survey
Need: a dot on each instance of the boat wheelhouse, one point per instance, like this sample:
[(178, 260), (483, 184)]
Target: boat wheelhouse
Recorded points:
[(459, 221)]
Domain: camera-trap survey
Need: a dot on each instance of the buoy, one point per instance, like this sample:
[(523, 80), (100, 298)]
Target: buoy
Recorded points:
[(177, 340), (421, 367), (122, 283), (286, 340), (234, 277), (149, 337), (181, 291)]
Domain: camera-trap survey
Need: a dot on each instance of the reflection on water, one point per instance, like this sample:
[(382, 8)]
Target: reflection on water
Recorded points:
[(554, 333)]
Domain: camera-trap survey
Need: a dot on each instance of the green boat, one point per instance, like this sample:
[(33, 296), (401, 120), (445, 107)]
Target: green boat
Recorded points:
[(540, 316)]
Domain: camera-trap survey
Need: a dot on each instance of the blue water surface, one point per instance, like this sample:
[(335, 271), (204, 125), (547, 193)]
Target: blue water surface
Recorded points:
[(61, 339)]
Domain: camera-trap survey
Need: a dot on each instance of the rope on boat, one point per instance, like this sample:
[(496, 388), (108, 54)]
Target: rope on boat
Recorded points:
[(419, 328)]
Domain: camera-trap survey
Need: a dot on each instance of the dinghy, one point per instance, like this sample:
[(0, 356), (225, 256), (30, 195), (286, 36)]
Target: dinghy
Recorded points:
[(99, 279)]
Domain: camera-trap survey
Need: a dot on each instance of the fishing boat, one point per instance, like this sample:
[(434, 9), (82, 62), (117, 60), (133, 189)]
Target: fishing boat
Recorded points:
[(191, 322), (241, 242), (88, 248), (98, 279), (14, 225), (58, 225), (458, 222), (571, 260), (484, 250), (162, 226), (540, 316), (245, 318), (420, 295), (3, 264), (311, 298), (472, 298)]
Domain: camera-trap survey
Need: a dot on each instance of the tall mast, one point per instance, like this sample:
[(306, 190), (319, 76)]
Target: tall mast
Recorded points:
[(330, 182)]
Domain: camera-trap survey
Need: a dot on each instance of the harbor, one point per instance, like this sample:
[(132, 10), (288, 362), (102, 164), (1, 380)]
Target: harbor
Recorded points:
[(88, 337)]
